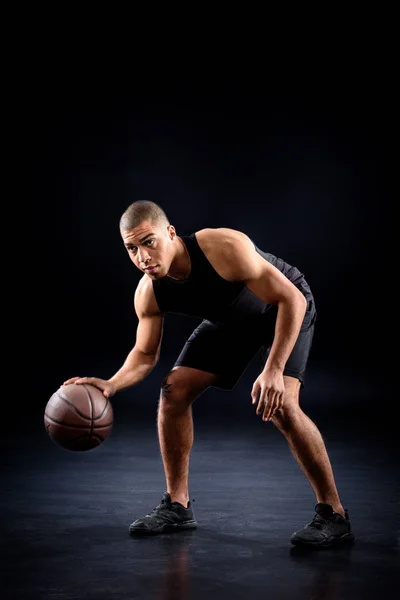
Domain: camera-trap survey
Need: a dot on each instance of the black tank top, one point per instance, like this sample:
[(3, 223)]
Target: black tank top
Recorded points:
[(206, 295)]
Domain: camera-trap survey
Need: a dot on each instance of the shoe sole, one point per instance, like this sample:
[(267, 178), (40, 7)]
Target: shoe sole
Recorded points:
[(167, 528), (346, 538)]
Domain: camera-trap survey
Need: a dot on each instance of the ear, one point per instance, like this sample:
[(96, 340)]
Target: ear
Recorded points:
[(171, 232)]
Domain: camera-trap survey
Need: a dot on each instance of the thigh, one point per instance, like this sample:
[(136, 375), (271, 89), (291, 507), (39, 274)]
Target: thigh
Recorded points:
[(222, 351), (297, 362)]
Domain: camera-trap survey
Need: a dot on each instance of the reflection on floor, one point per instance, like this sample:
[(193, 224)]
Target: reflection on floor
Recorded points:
[(65, 517)]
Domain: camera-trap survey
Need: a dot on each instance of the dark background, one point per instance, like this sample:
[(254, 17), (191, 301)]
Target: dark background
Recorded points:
[(298, 162), (299, 169)]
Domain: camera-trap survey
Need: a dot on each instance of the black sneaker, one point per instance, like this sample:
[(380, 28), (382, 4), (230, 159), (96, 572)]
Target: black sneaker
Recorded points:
[(327, 528), (165, 518)]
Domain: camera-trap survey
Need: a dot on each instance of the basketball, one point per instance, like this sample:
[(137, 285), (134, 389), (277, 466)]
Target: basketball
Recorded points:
[(78, 417)]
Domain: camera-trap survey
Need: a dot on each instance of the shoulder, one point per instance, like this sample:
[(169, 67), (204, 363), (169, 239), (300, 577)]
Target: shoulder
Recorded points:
[(220, 237), (231, 252), (145, 300)]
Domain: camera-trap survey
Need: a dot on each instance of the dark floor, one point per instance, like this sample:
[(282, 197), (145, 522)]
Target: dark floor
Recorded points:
[(65, 517)]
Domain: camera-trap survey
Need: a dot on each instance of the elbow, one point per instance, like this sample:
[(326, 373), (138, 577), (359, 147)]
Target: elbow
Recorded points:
[(296, 300), (152, 359), (301, 302), (148, 358)]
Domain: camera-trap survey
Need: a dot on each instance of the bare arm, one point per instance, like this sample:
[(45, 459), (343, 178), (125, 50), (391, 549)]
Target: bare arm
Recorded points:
[(144, 356), (269, 284), (234, 257)]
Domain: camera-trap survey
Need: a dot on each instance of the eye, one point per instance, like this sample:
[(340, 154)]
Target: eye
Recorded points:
[(150, 242)]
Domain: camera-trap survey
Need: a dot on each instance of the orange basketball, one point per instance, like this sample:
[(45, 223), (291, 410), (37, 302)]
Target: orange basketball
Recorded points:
[(78, 417)]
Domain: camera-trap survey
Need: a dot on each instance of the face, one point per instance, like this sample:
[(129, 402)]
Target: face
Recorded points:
[(151, 247)]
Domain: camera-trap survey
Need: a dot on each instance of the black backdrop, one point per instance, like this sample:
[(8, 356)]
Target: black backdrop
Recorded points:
[(299, 171)]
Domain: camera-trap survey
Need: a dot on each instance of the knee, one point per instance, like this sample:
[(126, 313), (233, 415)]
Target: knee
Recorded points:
[(176, 393), (285, 417)]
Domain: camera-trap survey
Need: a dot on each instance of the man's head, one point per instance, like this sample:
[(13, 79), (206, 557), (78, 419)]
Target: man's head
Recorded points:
[(148, 237)]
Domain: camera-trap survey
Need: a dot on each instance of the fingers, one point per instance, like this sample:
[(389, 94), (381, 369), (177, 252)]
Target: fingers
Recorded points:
[(254, 393), (275, 402), (268, 404), (106, 389), (262, 401), (79, 380), (71, 380)]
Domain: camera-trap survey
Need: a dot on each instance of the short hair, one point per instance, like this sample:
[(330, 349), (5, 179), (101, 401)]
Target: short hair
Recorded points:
[(139, 211)]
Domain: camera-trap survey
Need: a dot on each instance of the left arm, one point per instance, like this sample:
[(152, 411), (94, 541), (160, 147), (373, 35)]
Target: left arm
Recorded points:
[(233, 256), (269, 284)]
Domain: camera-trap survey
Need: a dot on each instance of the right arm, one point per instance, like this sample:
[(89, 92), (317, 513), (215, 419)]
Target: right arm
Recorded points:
[(144, 356)]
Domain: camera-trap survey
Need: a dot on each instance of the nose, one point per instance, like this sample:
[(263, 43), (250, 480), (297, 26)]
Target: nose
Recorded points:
[(143, 257)]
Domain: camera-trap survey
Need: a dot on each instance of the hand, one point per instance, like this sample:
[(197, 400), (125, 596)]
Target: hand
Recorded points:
[(271, 387), (105, 386)]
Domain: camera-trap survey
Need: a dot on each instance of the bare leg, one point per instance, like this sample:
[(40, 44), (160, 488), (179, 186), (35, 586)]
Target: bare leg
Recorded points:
[(175, 432), (307, 446), (175, 426)]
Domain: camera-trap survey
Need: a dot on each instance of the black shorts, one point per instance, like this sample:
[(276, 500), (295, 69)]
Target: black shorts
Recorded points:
[(227, 351)]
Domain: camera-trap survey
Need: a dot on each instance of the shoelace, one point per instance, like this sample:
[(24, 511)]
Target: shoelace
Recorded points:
[(319, 521), (155, 510), (168, 517), (159, 507)]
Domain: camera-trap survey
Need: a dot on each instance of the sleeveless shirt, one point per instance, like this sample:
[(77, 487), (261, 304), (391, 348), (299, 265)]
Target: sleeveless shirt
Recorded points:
[(206, 295)]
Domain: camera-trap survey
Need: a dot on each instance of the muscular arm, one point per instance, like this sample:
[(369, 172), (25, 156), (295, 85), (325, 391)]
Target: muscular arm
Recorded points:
[(144, 356), (233, 256)]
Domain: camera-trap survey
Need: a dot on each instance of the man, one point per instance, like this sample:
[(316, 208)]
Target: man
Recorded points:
[(248, 300)]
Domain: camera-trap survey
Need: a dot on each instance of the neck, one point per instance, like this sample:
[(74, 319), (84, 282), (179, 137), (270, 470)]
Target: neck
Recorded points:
[(181, 265)]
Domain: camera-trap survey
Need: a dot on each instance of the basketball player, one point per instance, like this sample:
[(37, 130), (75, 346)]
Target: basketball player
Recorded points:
[(248, 300)]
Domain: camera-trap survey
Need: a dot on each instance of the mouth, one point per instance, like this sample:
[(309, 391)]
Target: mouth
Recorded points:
[(151, 269)]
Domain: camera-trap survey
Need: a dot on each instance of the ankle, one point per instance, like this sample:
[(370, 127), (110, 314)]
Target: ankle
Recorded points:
[(181, 498), (338, 508)]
